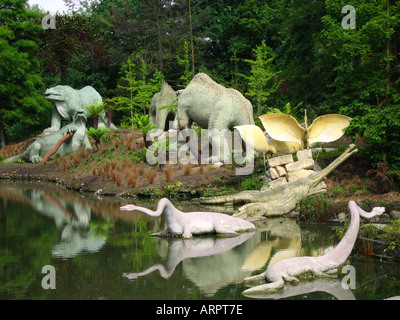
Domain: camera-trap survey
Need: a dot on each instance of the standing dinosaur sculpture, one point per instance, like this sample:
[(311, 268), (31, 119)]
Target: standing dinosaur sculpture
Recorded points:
[(187, 224), (289, 269), (67, 101), (215, 108)]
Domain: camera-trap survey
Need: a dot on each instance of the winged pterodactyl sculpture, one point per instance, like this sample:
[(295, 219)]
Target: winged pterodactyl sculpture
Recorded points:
[(326, 128)]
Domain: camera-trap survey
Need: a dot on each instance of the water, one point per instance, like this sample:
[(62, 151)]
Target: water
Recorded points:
[(99, 252)]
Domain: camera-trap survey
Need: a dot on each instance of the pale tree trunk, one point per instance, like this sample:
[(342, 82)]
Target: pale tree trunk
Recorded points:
[(2, 136)]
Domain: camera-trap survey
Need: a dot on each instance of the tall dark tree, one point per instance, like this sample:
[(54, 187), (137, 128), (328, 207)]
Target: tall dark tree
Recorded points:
[(22, 105)]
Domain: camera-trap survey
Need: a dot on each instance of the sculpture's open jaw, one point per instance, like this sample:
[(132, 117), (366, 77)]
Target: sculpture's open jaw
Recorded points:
[(53, 96)]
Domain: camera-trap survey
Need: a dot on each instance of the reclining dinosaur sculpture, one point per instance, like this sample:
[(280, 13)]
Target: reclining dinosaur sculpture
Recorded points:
[(187, 224), (280, 200), (43, 145), (289, 269)]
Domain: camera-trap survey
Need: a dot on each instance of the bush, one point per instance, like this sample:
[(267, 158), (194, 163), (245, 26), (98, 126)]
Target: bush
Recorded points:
[(316, 208)]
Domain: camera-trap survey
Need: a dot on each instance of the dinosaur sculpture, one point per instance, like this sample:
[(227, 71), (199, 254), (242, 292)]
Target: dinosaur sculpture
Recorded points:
[(326, 128), (43, 145), (187, 224), (289, 269), (67, 101), (280, 200), (158, 113), (215, 108)]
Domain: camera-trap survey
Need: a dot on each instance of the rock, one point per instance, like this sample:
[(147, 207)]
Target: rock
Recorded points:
[(395, 215), (298, 174), (281, 160), (302, 164), (272, 173), (304, 154), (281, 171), (278, 182)]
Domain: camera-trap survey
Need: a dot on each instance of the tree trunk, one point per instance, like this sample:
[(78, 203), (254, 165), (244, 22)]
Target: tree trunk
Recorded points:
[(2, 136)]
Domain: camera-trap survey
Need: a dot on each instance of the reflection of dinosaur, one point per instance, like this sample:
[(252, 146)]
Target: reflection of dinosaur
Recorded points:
[(43, 145), (181, 249), (186, 224), (289, 269), (331, 286)]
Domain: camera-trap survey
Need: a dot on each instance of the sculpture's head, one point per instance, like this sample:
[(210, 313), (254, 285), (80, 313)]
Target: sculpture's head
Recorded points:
[(80, 117), (57, 93)]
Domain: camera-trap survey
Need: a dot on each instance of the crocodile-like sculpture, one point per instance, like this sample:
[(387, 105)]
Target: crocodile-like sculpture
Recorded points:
[(67, 101), (187, 224), (289, 269), (43, 145), (280, 200)]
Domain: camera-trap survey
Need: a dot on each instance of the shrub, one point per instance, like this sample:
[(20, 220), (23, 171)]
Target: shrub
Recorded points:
[(315, 208)]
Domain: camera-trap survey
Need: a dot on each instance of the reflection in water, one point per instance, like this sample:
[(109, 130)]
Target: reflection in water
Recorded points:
[(210, 262), (331, 286), (41, 225), (71, 218)]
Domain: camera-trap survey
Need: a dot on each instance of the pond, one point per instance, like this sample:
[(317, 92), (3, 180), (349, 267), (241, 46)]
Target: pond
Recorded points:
[(98, 252)]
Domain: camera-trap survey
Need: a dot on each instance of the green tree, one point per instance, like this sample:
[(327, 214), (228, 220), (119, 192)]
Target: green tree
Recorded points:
[(136, 88), (263, 82), (23, 107)]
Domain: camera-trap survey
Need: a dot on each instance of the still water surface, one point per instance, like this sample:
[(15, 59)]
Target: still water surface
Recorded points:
[(99, 252)]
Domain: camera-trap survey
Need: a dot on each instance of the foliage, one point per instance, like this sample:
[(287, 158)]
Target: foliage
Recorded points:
[(97, 134), (144, 123), (316, 208), (23, 108), (135, 93), (263, 82), (95, 110)]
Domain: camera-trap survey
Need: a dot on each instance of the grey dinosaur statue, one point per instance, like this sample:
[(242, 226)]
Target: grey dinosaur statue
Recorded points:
[(158, 113), (187, 224), (67, 101), (215, 108), (43, 145), (289, 269)]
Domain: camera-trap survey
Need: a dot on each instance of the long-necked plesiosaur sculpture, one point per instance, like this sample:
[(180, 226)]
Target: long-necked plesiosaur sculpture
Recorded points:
[(187, 224), (289, 269)]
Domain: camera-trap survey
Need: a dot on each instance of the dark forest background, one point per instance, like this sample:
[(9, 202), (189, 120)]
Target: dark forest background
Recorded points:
[(284, 56)]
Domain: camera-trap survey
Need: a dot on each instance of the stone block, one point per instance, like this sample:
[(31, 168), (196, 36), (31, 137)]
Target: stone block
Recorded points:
[(280, 160), (304, 154), (281, 171), (272, 173), (278, 182), (302, 164), (298, 174)]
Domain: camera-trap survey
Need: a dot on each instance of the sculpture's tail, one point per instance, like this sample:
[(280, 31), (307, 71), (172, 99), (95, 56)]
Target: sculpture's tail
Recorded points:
[(12, 159), (264, 288)]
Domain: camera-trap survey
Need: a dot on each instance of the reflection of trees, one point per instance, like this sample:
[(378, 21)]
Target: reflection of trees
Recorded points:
[(24, 249)]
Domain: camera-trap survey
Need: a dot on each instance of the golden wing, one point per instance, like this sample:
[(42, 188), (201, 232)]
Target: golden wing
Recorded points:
[(327, 128), (254, 136), (282, 127)]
